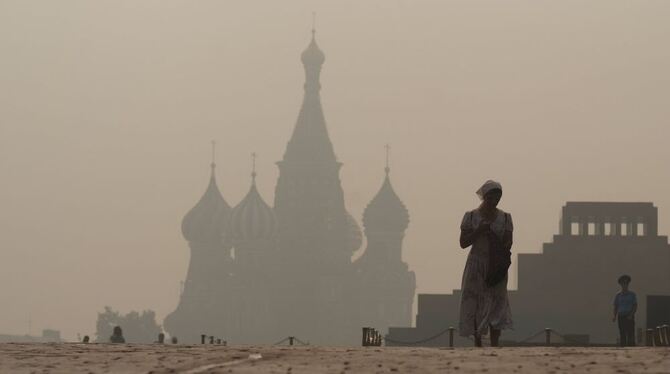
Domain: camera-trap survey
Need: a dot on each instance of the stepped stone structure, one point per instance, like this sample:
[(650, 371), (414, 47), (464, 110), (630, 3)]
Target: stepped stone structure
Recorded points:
[(570, 286), (259, 273)]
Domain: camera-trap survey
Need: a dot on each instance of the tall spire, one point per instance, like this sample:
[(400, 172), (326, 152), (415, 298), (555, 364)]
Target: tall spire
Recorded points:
[(387, 169), (253, 168), (313, 25), (213, 164), (310, 143)]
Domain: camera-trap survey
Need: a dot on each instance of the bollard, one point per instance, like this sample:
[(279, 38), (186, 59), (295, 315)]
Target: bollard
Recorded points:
[(174, 340), (649, 338), (211, 340), (161, 338), (202, 338), (658, 337), (86, 339), (290, 340), (225, 343), (451, 337), (666, 334), (547, 336), (364, 340), (218, 341)]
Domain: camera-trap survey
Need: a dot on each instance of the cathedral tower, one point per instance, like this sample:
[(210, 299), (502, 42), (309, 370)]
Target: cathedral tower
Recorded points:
[(387, 285), (209, 267), (313, 238), (252, 230)]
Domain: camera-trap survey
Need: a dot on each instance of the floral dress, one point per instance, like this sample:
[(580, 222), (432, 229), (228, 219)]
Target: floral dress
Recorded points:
[(481, 305)]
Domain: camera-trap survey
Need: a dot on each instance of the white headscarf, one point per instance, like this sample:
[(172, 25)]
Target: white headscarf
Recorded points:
[(488, 186)]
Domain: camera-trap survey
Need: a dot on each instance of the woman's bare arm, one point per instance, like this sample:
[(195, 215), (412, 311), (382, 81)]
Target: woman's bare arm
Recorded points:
[(508, 239), (467, 237)]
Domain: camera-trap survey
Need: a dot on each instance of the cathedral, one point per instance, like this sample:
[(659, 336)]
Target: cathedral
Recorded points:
[(259, 273)]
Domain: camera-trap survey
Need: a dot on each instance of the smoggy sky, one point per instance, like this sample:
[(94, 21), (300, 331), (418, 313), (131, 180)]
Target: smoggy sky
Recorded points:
[(107, 109)]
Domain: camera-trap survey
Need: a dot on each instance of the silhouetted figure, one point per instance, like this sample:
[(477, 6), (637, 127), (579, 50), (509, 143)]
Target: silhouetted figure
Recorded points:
[(117, 336), (86, 339), (625, 306), (484, 305)]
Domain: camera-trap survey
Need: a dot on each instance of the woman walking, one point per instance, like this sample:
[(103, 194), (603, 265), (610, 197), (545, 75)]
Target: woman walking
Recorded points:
[(484, 303)]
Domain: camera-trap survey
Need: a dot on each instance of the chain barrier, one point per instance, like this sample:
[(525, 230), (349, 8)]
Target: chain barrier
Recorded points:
[(291, 339), (551, 331), (419, 341)]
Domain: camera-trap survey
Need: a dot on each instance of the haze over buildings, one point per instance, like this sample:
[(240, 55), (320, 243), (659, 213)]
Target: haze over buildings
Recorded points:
[(107, 110)]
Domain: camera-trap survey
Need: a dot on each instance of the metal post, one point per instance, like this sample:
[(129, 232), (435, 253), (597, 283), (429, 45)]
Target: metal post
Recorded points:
[(649, 338), (202, 338), (661, 336), (364, 340), (547, 336), (451, 337)]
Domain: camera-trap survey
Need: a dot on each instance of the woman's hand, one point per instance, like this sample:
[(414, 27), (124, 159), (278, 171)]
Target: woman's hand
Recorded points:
[(483, 228), (469, 236)]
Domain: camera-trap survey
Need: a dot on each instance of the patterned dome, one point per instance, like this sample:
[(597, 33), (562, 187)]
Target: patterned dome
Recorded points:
[(354, 234), (313, 54), (206, 221), (386, 212), (252, 218)]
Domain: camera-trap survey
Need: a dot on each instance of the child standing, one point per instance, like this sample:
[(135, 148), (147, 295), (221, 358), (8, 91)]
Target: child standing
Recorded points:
[(625, 306)]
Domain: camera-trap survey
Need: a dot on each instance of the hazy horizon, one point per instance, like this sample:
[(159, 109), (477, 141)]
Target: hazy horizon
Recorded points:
[(107, 110)]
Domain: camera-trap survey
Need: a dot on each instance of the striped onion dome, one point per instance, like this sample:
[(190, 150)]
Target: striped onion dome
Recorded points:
[(386, 212), (252, 218), (207, 220), (354, 234)]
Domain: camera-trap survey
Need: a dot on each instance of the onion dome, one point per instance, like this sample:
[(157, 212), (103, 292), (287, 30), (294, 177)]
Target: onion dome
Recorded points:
[(354, 234), (313, 54), (386, 212), (207, 220), (252, 218)]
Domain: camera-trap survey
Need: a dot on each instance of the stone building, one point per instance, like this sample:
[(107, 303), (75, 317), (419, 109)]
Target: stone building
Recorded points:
[(570, 285), (259, 273)]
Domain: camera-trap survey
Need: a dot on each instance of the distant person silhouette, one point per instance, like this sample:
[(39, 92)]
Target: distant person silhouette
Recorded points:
[(484, 302), (625, 306), (117, 336)]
